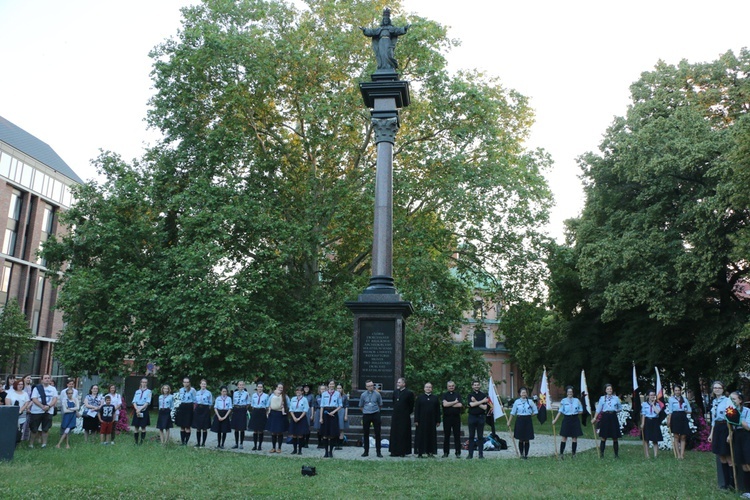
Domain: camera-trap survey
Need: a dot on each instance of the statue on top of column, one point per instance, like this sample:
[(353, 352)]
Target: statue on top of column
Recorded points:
[(384, 39)]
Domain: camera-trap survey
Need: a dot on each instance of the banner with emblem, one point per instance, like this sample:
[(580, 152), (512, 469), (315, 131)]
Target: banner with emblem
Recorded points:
[(545, 403)]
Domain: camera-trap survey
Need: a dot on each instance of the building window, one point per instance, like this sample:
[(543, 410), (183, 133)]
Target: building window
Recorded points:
[(6, 270), (14, 209), (480, 339), (47, 221)]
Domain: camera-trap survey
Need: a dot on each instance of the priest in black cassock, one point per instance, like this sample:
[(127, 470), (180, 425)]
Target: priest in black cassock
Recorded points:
[(403, 406), (426, 421)]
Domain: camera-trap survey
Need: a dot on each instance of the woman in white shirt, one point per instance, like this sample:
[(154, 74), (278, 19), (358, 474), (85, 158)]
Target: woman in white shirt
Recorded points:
[(17, 396)]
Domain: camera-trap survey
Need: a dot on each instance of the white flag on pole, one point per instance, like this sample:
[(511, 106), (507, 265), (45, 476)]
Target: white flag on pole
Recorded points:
[(497, 408), (585, 393)]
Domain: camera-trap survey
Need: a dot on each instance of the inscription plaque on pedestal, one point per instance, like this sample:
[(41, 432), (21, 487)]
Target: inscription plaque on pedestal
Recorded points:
[(377, 354)]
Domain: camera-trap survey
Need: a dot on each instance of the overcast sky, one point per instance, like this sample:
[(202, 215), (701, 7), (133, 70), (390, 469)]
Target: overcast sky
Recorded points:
[(76, 73)]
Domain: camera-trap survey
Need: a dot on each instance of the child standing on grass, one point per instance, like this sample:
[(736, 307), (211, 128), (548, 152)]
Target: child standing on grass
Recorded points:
[(164, 421), (70, 409), (106, 420)]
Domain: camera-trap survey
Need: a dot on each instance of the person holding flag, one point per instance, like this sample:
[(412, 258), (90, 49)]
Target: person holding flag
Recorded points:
[(677, 411), (651, 423), (609, 425), (740, 422), (720, 433), (523, 408), (570, 408)]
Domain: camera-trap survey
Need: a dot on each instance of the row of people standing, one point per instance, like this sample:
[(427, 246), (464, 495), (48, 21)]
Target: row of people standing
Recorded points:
[(273, 412)]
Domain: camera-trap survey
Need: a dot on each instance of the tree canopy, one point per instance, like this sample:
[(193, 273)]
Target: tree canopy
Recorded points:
[(16, 339), (229, 249), (651, 269)]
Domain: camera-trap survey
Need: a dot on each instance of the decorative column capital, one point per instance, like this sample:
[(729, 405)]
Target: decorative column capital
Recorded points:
[(385, 129)]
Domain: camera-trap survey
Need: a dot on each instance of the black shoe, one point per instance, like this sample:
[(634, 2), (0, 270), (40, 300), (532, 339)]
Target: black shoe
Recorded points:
[(198, 445), (365, 454), (326, 455), (481, 457), (379, 455), (445, 455), (235, 447), (458, 454), (469, 457), (255, 448)]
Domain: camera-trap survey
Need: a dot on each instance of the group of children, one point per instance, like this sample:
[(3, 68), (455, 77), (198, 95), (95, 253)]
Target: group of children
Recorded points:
[(105, 416)]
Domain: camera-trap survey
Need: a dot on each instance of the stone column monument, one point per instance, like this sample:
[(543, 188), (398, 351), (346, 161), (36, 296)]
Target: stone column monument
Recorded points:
[(379, 312)]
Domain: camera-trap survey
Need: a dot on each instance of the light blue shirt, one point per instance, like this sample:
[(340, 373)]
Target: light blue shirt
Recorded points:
[(259, 400), (331, 400), (187, 396), (719, 409), (166, 402), (299, 404), (204, 397), (673, 405), (745, 416), (142, 397), (524, 407), (223, 403), (649, 411), (240, 398), (570, 406), (609, 403)]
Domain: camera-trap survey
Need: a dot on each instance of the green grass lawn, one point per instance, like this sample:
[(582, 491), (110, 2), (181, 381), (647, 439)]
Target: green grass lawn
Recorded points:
[(152, 471)]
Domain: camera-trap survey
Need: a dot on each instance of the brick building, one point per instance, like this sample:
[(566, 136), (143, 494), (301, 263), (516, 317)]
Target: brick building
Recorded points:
[(34, 187), (481, 328)]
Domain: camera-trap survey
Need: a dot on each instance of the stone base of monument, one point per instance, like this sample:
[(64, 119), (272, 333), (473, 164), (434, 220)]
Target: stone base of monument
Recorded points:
[(378, 343)]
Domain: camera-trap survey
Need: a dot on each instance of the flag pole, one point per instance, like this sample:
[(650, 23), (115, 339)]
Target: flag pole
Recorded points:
[(596, 439), (507, 422), (554, 434), (731, 452)]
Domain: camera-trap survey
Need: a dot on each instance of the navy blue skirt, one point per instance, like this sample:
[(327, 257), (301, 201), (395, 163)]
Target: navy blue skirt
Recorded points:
[(184, 415), (330, 427), (571, 427), (678, 423), (221, 425), (609, 426), (143, 421), (524, 428), (719, 445), (202, 417), (258, 420), (741, 444), (278, 423), (239, 418), (652, 430), (165, 419), (299, 428)]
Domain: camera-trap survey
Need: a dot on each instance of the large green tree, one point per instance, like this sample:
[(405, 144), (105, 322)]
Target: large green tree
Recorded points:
[(16, 339), (651, 270), (229, 249)]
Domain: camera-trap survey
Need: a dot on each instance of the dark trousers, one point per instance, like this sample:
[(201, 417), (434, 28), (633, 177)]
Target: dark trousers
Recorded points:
[(476, 427), (374, 419), (452, 425)]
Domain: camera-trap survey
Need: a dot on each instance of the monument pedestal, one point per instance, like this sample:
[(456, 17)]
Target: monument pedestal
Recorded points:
[(379, 321)]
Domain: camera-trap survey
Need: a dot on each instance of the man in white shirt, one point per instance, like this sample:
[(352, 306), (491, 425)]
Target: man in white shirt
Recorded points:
[(43, 399)]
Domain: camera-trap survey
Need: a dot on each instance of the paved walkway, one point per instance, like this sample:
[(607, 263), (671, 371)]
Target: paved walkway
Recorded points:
[(541, 446)]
